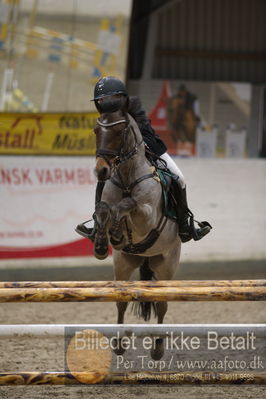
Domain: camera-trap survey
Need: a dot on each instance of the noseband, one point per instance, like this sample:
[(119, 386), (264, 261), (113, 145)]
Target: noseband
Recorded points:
[(122, 154)]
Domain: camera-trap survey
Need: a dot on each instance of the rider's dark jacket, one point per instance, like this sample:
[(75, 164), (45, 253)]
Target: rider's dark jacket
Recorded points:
[(153, 141)]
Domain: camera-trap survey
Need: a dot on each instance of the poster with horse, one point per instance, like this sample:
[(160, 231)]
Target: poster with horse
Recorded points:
[(181, 112)]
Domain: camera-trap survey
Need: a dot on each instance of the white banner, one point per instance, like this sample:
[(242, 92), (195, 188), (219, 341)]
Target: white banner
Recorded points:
[(43, 199)]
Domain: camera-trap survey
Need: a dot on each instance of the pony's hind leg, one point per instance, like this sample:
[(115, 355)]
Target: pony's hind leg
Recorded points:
[(124, 266), (163, 268), (102, 217), (157, 351)]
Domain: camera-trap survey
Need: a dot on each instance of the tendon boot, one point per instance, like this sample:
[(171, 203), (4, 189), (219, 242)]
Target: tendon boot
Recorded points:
[(185, 217), (88, 229)]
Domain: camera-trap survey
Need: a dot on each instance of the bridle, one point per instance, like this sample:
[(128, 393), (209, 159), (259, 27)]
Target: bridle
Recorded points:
[(121, 155)]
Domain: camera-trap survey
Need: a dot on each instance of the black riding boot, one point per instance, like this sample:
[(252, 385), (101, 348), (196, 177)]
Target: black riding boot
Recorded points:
[(185, 218), (83, 229)]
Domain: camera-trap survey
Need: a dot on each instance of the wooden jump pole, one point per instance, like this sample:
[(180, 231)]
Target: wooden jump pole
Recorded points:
[(201, 377), (137, 292), (162, 283)]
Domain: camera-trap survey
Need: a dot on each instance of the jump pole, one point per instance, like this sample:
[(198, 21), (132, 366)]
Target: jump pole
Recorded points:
[(66, 378), (229, 290), (137, 284), (122, 292)]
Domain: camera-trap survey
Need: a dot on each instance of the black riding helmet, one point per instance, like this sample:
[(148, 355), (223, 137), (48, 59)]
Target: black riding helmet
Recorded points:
[(106, 87)]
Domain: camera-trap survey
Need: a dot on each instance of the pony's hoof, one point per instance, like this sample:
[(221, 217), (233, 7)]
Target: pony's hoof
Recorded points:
[(158, 352), (101, 245), (100, 252), (118, 350)]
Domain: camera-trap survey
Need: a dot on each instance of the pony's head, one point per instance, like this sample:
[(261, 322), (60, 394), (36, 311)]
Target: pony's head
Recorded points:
[(111, 137), (118, 140)]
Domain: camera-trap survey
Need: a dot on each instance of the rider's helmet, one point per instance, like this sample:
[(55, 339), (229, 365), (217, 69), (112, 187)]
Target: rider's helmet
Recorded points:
[(110, 94), (107, 86)]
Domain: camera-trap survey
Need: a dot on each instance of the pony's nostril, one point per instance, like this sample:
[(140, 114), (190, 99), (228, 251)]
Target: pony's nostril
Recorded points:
[(103, 173)]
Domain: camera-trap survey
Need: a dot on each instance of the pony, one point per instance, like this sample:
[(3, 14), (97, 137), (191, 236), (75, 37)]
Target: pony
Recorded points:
[(183, 121), (130, 216)]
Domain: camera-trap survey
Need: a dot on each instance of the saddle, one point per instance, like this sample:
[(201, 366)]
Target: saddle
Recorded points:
[(167, 180)]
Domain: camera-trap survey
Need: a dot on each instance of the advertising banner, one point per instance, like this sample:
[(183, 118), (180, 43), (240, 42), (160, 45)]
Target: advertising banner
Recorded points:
[(206, 143), (235, 143), (42, 201), (47, 133)]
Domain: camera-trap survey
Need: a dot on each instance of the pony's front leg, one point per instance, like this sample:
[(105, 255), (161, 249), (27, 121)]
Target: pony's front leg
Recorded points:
[(122, 209), (102, 216)]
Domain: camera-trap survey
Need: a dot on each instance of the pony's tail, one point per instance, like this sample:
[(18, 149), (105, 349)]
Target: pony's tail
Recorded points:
[(144, 309)]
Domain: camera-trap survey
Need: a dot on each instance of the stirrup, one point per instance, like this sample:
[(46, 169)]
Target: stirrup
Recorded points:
[(87, 232), (199, 233), (193, 232)]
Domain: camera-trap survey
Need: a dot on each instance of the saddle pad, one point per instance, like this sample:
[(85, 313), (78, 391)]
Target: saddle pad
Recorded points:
[(169, 206)]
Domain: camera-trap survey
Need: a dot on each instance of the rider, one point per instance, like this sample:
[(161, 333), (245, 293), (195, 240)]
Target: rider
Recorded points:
[(110, 95)]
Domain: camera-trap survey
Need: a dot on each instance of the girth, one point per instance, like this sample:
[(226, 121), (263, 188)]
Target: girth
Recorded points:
[(148, 241)]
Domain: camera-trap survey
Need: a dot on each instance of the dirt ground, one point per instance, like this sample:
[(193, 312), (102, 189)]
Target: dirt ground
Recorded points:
[(48, 354)]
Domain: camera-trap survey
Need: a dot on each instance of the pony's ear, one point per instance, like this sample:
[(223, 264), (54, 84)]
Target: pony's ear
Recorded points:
[(134, 105), (135, 108), (124, 105)]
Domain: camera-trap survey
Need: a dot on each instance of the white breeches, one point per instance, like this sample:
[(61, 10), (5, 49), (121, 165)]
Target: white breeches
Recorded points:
[(172, 166)]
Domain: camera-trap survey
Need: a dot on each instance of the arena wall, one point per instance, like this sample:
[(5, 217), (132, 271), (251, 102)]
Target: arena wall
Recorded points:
[(230, 194)]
